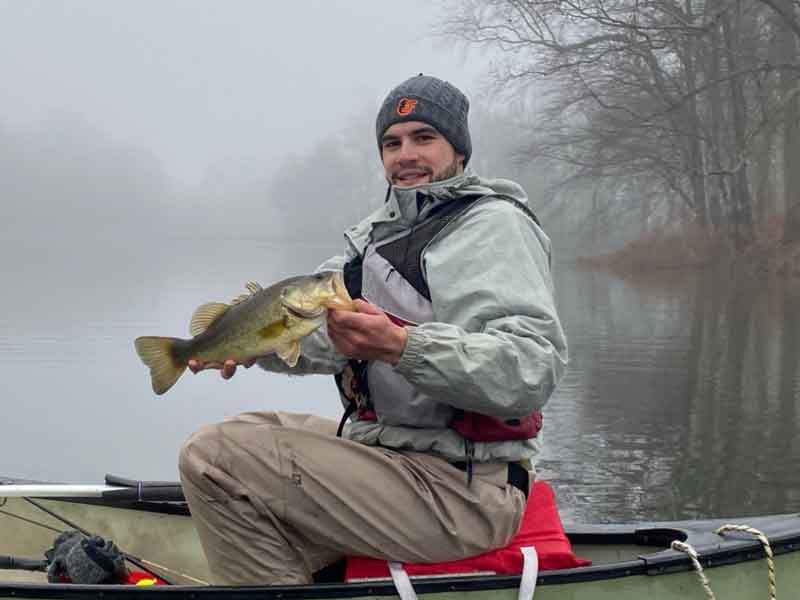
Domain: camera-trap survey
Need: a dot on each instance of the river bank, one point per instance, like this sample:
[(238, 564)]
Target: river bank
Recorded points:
[(767, 253)]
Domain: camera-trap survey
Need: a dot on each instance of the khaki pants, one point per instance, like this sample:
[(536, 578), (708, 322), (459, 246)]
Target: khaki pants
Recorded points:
[(277, 496)]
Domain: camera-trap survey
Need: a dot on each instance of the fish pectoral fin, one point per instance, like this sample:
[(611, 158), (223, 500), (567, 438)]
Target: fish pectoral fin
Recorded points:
[(205, 315), (289, 353)]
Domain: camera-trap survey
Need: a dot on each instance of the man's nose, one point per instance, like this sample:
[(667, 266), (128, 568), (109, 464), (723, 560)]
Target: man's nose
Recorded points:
[(408, 151)]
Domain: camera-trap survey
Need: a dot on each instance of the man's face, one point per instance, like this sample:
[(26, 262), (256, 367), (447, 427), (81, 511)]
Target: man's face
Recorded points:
[(415, 153)]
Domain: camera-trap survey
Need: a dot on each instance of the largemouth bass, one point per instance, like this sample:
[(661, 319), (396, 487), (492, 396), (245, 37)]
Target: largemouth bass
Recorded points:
[(257, 323)]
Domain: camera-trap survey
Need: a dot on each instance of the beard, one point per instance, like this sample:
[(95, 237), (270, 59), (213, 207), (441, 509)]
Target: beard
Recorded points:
[(451, 170)]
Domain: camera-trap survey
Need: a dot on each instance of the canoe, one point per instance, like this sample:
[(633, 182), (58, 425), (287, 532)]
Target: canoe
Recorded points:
[(152, 525)]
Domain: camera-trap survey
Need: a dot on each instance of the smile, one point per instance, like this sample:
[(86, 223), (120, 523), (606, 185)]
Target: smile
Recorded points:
[(411, 175)]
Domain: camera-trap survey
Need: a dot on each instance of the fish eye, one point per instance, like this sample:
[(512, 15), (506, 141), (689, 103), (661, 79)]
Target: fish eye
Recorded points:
[(289, 293)]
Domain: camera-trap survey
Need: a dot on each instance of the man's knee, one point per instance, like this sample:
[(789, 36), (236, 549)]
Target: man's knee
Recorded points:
[(196, 451)]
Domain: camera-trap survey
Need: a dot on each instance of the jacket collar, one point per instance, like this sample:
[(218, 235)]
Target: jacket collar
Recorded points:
[(409, 204), (406, 206)]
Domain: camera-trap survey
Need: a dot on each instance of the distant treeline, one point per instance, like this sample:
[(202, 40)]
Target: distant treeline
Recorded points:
[(66, 180)]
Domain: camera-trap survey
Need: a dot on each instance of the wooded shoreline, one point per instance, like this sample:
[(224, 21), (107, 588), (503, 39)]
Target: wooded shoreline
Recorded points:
[(768, 252)]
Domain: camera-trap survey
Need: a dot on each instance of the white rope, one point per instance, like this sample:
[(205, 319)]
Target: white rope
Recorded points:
[(687, 548), (767, 550)]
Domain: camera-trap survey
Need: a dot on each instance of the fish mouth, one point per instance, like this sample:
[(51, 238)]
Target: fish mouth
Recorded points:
[(302, 313), (341, 299), (332, 294)]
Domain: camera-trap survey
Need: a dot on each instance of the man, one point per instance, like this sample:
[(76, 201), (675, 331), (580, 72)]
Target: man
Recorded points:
[(455, 347)]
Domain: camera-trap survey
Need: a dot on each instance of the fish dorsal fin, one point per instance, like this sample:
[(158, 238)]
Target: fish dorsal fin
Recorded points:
[(205, 315), (252, 289)]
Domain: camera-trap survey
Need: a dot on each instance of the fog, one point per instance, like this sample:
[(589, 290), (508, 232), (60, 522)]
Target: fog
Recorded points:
[(154, 156), (182, 116), (208, 87)]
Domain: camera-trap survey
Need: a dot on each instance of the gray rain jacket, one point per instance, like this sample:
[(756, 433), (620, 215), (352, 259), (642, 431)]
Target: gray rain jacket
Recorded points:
[(495, 346)]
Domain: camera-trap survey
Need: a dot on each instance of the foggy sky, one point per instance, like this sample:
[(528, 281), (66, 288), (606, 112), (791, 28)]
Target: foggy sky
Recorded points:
[(138, 140), (208, 85)]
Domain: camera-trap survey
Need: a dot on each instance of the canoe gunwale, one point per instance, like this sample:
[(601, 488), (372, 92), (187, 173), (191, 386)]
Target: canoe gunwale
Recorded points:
[(719, 554), (377, 588), (660, 563)]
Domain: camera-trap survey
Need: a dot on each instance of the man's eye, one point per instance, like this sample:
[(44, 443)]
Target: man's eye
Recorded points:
[(424, 138), (390, 144)]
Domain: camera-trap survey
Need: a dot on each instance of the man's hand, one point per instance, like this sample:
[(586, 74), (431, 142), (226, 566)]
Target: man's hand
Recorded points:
[(228, 368), (367, 334)]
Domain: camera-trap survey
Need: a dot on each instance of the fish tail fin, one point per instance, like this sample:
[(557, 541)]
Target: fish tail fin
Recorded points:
[(158, 354)]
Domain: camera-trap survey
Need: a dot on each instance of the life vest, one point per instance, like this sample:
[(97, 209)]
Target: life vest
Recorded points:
[(389, 274)]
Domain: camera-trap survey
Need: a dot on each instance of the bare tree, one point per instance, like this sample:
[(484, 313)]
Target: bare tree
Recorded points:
[(787, 51), (789, 12), (682, 94)]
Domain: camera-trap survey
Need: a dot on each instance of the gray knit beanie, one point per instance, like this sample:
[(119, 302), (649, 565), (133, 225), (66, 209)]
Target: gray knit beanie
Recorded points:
[(430, 100)]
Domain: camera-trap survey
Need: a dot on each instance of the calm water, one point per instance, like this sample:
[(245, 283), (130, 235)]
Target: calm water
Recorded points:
[(682, 397)]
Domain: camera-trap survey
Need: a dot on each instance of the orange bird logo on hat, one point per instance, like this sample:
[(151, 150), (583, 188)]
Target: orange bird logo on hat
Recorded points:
[(405, 106)]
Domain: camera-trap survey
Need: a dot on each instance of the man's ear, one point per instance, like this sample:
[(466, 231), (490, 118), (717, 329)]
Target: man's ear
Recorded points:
[(460, 159)]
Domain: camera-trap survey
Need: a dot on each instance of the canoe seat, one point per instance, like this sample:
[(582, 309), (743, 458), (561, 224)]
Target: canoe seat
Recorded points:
[(541, 528)]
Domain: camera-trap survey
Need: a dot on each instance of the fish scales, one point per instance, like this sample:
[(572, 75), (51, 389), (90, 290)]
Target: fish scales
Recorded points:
[(261, 322), (238, 331)]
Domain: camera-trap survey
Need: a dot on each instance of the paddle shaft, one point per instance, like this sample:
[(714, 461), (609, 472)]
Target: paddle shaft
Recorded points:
[(55, 490), (144, 492)]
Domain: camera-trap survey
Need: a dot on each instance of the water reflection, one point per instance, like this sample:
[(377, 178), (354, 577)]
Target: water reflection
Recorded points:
[(681, 399), (77, 400), (744, 399)]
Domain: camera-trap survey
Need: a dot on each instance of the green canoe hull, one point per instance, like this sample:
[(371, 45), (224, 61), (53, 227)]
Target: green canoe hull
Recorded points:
[(629, 560)]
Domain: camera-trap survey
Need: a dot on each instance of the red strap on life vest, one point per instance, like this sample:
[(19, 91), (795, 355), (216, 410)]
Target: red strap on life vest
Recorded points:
[(483, 428)]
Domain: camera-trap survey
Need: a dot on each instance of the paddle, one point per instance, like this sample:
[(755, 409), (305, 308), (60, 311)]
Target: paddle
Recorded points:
[(143, 491), (115, 488)]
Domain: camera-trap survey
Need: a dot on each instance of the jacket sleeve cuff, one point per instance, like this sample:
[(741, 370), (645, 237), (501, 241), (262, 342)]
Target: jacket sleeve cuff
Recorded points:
[(412, 356)]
